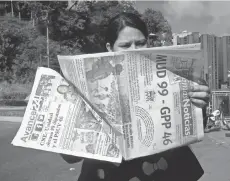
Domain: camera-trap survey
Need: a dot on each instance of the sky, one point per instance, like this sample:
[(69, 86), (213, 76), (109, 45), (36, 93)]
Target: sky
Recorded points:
[(212, 17)]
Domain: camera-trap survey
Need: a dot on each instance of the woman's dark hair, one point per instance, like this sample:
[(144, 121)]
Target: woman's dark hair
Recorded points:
[(122, 20)]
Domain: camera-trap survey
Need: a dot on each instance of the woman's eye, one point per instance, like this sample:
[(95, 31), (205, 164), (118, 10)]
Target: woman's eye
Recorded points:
[(125, 46), (141, 44)]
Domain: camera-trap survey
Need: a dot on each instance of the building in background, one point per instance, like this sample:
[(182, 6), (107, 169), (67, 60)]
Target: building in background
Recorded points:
[(186, 37), (211, 47), (225, 50), (216, 56)]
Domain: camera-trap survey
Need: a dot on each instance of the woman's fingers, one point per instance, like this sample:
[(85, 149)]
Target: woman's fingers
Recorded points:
[(200, 88), (199, 103), (199, 95)]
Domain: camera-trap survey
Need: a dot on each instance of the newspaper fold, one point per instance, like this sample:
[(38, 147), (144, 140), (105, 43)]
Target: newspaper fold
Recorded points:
[(115, 105)]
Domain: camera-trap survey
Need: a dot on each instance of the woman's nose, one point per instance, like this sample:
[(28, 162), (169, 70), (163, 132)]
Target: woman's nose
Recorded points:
[(133, 46)]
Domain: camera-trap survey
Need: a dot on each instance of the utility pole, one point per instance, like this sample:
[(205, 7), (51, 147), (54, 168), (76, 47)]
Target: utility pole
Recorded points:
[(40, 62), (48, 50), (45, 17), (12, 8), (19, 11), (32, 18)]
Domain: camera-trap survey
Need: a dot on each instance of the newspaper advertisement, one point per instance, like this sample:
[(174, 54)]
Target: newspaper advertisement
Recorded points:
[(142, 94)]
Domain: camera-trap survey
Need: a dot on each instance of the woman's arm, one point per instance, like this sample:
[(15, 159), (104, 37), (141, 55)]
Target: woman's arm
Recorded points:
[(71, 159)]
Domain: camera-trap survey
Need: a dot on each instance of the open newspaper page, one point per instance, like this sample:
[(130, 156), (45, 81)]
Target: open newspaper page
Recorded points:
[(159, 115), (58, 120), (96, 77), (153, 86)]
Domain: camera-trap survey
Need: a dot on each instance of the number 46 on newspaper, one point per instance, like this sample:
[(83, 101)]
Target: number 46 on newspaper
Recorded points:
[(115, 105)]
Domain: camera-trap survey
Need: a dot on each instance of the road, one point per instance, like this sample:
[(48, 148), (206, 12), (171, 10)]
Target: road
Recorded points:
[(24, 164), (214, 156)]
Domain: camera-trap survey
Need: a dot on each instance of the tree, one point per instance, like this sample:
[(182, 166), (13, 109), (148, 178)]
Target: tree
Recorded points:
[(72, 30), (23, 49), (35, 55), (100, 14), (158, 25), (80, 26), (18, 53), (12, 38)]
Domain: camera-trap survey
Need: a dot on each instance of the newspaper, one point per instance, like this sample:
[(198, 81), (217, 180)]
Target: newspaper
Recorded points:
[(115, 105)]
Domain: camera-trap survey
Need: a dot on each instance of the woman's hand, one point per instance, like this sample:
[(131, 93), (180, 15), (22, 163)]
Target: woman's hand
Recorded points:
[(199, 95), (71, 159)]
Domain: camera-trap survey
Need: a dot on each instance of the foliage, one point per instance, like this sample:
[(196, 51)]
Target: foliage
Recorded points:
[(72, 30), (158, 25), (14, 91), (23, 49), (12, 43), (81, 26)]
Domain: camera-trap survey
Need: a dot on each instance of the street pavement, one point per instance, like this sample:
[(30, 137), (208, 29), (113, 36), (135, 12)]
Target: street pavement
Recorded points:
[(22, 164), (214, 155)]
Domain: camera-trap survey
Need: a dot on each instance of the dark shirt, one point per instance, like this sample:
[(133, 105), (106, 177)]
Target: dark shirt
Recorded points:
[(175, 165)]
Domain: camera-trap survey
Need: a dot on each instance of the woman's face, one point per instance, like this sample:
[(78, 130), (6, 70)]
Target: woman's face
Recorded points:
[(129, 39)]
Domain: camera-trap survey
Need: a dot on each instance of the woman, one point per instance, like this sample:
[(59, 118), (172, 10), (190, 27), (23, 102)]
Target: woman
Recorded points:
[(126, 32)]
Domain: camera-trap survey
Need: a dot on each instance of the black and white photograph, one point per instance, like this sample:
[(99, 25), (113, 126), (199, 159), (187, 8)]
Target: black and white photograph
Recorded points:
[(154, 76)]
